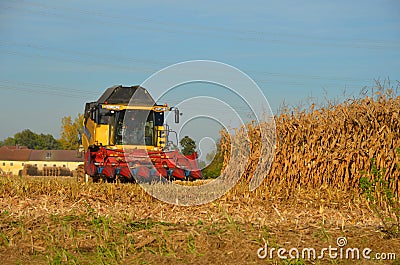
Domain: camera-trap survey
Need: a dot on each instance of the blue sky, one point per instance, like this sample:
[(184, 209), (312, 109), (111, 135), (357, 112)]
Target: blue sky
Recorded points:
[(57, 55)]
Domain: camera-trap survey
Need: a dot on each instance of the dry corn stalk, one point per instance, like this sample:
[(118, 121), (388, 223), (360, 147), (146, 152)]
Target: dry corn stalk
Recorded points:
[(326, 147)]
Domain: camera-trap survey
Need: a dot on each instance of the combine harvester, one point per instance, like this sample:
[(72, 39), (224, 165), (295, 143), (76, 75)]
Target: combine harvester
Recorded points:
[(124, 137)]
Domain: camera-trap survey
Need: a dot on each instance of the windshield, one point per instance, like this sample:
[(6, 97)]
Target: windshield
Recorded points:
[(135, 127)]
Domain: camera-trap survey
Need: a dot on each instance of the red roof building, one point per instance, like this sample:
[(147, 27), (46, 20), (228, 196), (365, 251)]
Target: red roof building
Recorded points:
[(14, 158)]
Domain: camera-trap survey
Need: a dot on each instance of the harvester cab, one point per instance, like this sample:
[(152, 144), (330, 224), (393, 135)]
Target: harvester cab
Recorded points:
[(124, 136)]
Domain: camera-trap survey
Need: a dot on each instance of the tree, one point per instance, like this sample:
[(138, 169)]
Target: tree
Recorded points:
[(213, 170), (26, 138), (32, 140), (9, 141), (188, 145), (70, 132), (47, 142)]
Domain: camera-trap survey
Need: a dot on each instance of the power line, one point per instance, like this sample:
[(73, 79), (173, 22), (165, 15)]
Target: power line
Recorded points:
[(251, 35), (69, 59), (44, 89), (47, 86), (91, 56)]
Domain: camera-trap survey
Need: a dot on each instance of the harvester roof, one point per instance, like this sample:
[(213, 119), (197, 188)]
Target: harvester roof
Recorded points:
[(134, 95)]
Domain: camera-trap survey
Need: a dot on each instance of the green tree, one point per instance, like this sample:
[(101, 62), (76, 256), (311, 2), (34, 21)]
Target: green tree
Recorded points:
[(188, 145), (9, 141), (213, 170), (26, 138), (70, 132), (47, 142), (32, 140)]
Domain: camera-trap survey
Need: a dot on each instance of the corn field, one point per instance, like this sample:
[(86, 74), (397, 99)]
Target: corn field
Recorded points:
[(328, 147)]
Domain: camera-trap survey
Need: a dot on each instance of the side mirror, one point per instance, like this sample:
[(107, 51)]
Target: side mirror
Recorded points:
[(176, 115), (79, 138)]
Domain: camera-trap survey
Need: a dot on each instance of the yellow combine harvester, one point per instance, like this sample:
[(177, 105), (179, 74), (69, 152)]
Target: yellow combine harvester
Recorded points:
[(124, 136)]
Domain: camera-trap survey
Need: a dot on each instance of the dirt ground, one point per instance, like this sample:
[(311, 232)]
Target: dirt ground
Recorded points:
[(61, 221)]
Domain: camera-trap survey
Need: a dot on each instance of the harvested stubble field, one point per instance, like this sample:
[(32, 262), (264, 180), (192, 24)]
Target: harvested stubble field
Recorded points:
[(60, 221), (309, 199)]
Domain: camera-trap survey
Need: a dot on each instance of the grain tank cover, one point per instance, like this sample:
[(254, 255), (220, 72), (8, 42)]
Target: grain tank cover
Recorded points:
[(119, 95)]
